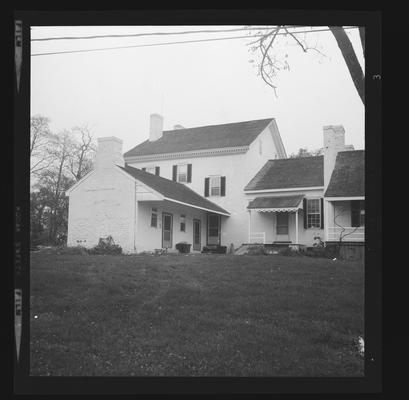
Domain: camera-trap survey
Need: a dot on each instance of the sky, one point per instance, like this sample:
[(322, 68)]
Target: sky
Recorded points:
[(192, 84)]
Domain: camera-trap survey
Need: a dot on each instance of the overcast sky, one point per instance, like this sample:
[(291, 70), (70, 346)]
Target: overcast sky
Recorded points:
[(193, 84)]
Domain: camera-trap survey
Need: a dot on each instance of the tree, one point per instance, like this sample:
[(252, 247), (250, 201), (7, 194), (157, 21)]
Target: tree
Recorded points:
[(304, 152), (80, 160), (40, 140), (271, 63), (67, 158)]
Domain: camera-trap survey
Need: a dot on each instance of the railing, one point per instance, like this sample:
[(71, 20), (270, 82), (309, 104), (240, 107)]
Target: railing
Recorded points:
[(257, 237), (349, 233)]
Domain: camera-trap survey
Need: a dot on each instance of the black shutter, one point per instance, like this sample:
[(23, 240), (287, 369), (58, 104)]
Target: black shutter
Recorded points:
[(174, 176), (322, 213), (223, 186), (355, 213), (143, 169), (189, 173), (304, 206), (157, 170), (206, 189)]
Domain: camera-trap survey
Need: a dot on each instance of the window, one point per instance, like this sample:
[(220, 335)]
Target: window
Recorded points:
[(313, 213), (151, 170), (357, 213), (215, 186), (154, 218), (182, 173), (183, 223)]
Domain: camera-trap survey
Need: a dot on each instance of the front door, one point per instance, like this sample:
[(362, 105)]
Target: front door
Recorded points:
[(167, 228), (196, 234), (282, 227), (213, 229)]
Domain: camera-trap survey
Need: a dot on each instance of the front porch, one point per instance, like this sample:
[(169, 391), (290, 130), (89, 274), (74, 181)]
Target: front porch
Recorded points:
[(345, 219), (278, 221)]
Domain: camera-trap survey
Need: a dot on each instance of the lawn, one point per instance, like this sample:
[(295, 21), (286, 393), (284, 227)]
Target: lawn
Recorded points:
[(195, 315)]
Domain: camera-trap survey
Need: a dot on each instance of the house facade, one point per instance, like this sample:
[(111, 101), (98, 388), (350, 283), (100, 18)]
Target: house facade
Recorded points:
[(215, 185), (152, 203)]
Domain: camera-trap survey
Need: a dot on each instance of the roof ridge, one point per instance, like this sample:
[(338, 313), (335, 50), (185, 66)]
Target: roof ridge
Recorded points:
[(213, 125), (296, 158)]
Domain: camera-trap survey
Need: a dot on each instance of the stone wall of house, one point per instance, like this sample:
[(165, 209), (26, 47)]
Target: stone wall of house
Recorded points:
[(102, 205)]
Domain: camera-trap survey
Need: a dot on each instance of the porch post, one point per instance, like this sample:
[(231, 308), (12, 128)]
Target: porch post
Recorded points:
[(326, 220), (296, 226), (249, 225)]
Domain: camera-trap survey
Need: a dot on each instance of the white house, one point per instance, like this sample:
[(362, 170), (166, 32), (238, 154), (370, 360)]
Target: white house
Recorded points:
[(213, 185), (180, 185), (298, 200)]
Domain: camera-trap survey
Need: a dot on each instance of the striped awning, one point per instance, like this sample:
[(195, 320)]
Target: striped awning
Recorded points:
[(276, 203)]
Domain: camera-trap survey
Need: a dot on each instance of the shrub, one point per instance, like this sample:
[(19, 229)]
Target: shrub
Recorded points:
[(74, 250), (106, 246), (256, 250), (183, 247)]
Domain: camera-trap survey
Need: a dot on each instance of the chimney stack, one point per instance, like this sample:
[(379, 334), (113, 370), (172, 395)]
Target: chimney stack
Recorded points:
[(109, 153), (156, 127), (334, 141)]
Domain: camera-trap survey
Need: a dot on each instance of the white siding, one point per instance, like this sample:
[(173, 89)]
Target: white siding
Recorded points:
[(238, 169)]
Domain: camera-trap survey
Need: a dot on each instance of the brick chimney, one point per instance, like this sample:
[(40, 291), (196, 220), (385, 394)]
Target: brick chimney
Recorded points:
[(156, 127), (109, 153), (334, 141)]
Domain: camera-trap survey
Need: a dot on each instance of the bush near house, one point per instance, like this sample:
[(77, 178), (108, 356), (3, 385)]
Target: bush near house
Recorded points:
[(203, 315)]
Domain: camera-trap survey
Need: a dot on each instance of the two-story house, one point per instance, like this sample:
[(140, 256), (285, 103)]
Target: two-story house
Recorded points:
[(184, 184), (226, 184)]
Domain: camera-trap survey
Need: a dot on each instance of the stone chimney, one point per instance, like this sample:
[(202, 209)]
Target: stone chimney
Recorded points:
[(109, 153), (334, 141), (177, 126), (156, 127)]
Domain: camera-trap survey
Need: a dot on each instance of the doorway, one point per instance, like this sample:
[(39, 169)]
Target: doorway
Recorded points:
[(197, 235), (167, 230), (282, 227)]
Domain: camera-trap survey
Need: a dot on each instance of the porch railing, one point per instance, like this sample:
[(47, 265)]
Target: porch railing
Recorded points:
[(349, 233), (257, 237)]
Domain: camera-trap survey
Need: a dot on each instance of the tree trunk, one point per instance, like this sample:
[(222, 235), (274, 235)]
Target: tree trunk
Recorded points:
[(351, 59), (362, 36)]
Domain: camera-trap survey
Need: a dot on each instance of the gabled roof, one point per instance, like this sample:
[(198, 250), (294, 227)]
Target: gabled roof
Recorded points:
[(348, 176), (276, 202), (173, 190), (236, 134), (289, 173)]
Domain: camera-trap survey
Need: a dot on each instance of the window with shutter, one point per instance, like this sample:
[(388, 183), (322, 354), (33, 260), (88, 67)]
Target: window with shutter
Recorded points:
[(182, 173), (313, 213), (215, 185)]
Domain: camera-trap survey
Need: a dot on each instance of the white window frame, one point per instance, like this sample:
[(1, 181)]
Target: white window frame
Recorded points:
[(154, 211), (151, 169), (212, 186), (179, 173), (182, 220), (319, 212)]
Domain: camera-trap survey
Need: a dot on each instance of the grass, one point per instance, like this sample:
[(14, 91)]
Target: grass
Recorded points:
[(202, 315)]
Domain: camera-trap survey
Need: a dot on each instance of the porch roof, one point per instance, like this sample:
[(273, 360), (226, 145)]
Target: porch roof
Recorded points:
[(276, 203), (174, 191)]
